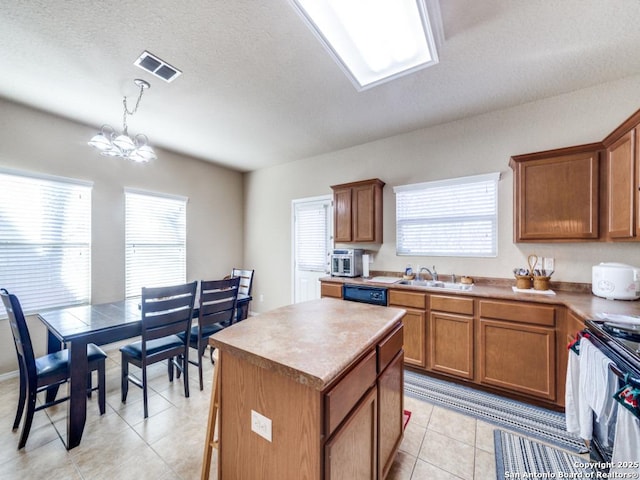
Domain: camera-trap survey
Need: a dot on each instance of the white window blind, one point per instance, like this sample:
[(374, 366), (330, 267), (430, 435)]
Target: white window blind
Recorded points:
[(455, 217), (312, 237), (45, 240), (155, 237)]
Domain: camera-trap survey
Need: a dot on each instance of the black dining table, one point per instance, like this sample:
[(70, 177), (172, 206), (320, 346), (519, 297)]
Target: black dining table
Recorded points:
[(75, 327)]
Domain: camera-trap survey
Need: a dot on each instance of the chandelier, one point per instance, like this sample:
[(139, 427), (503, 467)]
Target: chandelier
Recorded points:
[(112, 144)]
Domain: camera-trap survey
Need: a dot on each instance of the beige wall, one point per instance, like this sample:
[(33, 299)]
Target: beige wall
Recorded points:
[(471, 146), (34, 141)]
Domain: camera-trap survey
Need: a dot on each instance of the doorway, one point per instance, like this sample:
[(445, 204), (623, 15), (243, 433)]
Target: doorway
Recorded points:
[(312, 231)]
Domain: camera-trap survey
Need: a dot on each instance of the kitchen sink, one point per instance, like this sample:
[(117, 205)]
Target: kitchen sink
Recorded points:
[(437, 284)]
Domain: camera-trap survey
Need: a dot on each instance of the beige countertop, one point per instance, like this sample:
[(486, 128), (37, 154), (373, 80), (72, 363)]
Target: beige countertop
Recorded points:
[(312, 342), (586, 305)]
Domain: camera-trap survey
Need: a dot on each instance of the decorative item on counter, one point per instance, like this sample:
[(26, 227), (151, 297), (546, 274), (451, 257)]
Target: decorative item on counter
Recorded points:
[(541, 276), (523, 278), (466, 280), (408, 273)]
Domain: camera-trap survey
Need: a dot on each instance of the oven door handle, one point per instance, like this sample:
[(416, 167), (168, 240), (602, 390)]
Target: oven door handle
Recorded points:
[(627, 378)]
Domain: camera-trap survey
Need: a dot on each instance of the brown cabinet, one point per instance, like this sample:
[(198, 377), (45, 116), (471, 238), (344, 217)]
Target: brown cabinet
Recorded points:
[(364, 439), (352, 452), (331, 289), (415, 304), (556, 194), (450, 337), (517, 347), (622, 187), (357, 211)]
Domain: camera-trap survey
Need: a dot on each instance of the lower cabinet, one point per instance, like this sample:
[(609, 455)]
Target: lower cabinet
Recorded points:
[(363, 415), (415, 325), (331, 290), (450, 336), (390, 416), (351, 453), (517, 348)]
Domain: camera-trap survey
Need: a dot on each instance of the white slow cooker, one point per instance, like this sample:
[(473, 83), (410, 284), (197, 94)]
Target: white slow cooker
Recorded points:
[(615, 281)]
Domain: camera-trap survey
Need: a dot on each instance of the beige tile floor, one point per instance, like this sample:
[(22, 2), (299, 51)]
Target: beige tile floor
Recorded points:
[(438, 443)]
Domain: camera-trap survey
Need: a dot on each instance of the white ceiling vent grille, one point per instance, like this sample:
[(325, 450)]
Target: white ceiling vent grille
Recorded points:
[(154, 65)]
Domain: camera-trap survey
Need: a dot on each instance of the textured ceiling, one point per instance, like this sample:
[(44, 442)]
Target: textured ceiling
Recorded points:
[(258, 89)]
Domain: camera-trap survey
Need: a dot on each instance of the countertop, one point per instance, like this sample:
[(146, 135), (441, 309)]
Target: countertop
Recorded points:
[(312, 342), (585, 305)]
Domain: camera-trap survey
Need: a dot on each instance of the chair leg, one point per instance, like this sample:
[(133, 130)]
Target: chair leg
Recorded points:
[(102, 388), (124, 381), (200, 355), (185, 372), (144, 390), (211, 350), (28, 419), (89, 384), (170, 369), (21, 401)]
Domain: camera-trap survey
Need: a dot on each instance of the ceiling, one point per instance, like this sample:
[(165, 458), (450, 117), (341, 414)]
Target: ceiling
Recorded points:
[(258, 89)]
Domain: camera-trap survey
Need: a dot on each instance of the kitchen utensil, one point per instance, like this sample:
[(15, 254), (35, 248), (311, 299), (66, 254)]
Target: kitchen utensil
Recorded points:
[(533, 260)]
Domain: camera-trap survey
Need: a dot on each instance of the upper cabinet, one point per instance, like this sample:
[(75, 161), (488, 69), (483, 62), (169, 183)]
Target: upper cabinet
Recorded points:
[(357, 211), (589, 192), (556, 194), (623, 180)]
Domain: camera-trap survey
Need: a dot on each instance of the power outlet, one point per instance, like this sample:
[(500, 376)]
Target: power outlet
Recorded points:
[(548, 263), (261, 425)]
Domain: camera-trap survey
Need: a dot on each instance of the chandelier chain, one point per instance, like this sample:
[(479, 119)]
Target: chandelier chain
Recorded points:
[(127, 112)]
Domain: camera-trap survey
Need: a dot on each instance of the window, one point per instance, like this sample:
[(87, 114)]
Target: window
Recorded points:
[(312, 236), (45, 240), (155, 237), (455, 217)]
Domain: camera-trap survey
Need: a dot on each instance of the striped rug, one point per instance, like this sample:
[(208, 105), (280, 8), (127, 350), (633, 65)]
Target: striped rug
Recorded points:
[(519, 457), (540, 423)]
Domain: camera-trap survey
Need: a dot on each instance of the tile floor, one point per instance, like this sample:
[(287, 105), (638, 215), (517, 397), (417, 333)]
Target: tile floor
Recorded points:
[(438, 443)]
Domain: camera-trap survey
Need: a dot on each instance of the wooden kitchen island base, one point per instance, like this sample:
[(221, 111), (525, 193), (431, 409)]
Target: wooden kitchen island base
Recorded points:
[(323, 380)]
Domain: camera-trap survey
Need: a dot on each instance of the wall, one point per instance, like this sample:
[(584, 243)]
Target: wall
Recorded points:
[(470, 146), (34, 141)]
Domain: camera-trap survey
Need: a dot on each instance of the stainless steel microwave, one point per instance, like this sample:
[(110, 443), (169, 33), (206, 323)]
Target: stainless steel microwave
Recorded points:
[(346, 262)]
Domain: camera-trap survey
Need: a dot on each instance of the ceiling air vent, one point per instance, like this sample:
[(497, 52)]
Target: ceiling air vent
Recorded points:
[(161, 69)]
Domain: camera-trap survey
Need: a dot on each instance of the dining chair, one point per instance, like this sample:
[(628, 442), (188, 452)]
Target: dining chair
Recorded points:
[(246, 284), (44, 373), (166, 312), (217, 304)]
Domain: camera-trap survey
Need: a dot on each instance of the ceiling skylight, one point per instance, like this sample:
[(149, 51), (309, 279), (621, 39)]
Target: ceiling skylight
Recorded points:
[(374, 41)]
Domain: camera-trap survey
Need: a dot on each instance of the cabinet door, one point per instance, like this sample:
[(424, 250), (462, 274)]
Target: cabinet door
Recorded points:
[(390, 408), (556, 198), (363, 212), (331, 290), (621, 184), (451, 344), (414, 337), (351, 453), (342, 215), (518, 357)]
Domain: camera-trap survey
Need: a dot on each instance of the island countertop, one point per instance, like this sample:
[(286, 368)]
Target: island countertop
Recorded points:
[(311, 342)]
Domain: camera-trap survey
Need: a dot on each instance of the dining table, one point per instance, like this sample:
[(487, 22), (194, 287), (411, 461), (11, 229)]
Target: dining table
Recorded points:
[(75, 327)]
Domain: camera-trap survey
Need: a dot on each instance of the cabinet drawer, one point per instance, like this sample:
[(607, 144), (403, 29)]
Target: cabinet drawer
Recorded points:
[(389, 347), (405, 298), (452, 304), (331, 290), (518, 312), (341, 398)]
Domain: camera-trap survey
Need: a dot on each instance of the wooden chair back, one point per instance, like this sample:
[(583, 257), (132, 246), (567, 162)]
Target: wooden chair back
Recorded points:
[(246, 280)]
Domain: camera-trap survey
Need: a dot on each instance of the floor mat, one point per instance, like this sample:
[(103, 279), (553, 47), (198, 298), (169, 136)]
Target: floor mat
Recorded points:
[(519, 457), (537, 422)]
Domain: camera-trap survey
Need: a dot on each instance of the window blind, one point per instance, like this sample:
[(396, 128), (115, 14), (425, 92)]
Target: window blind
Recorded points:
[(45, 240), (155, 238), (312, 238), (455, 217)]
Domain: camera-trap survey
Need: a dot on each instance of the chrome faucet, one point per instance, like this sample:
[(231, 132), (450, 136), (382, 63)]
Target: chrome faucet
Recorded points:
[(433, 273)]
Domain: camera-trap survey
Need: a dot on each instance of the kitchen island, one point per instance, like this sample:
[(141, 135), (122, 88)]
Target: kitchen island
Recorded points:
[(311, 391)]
